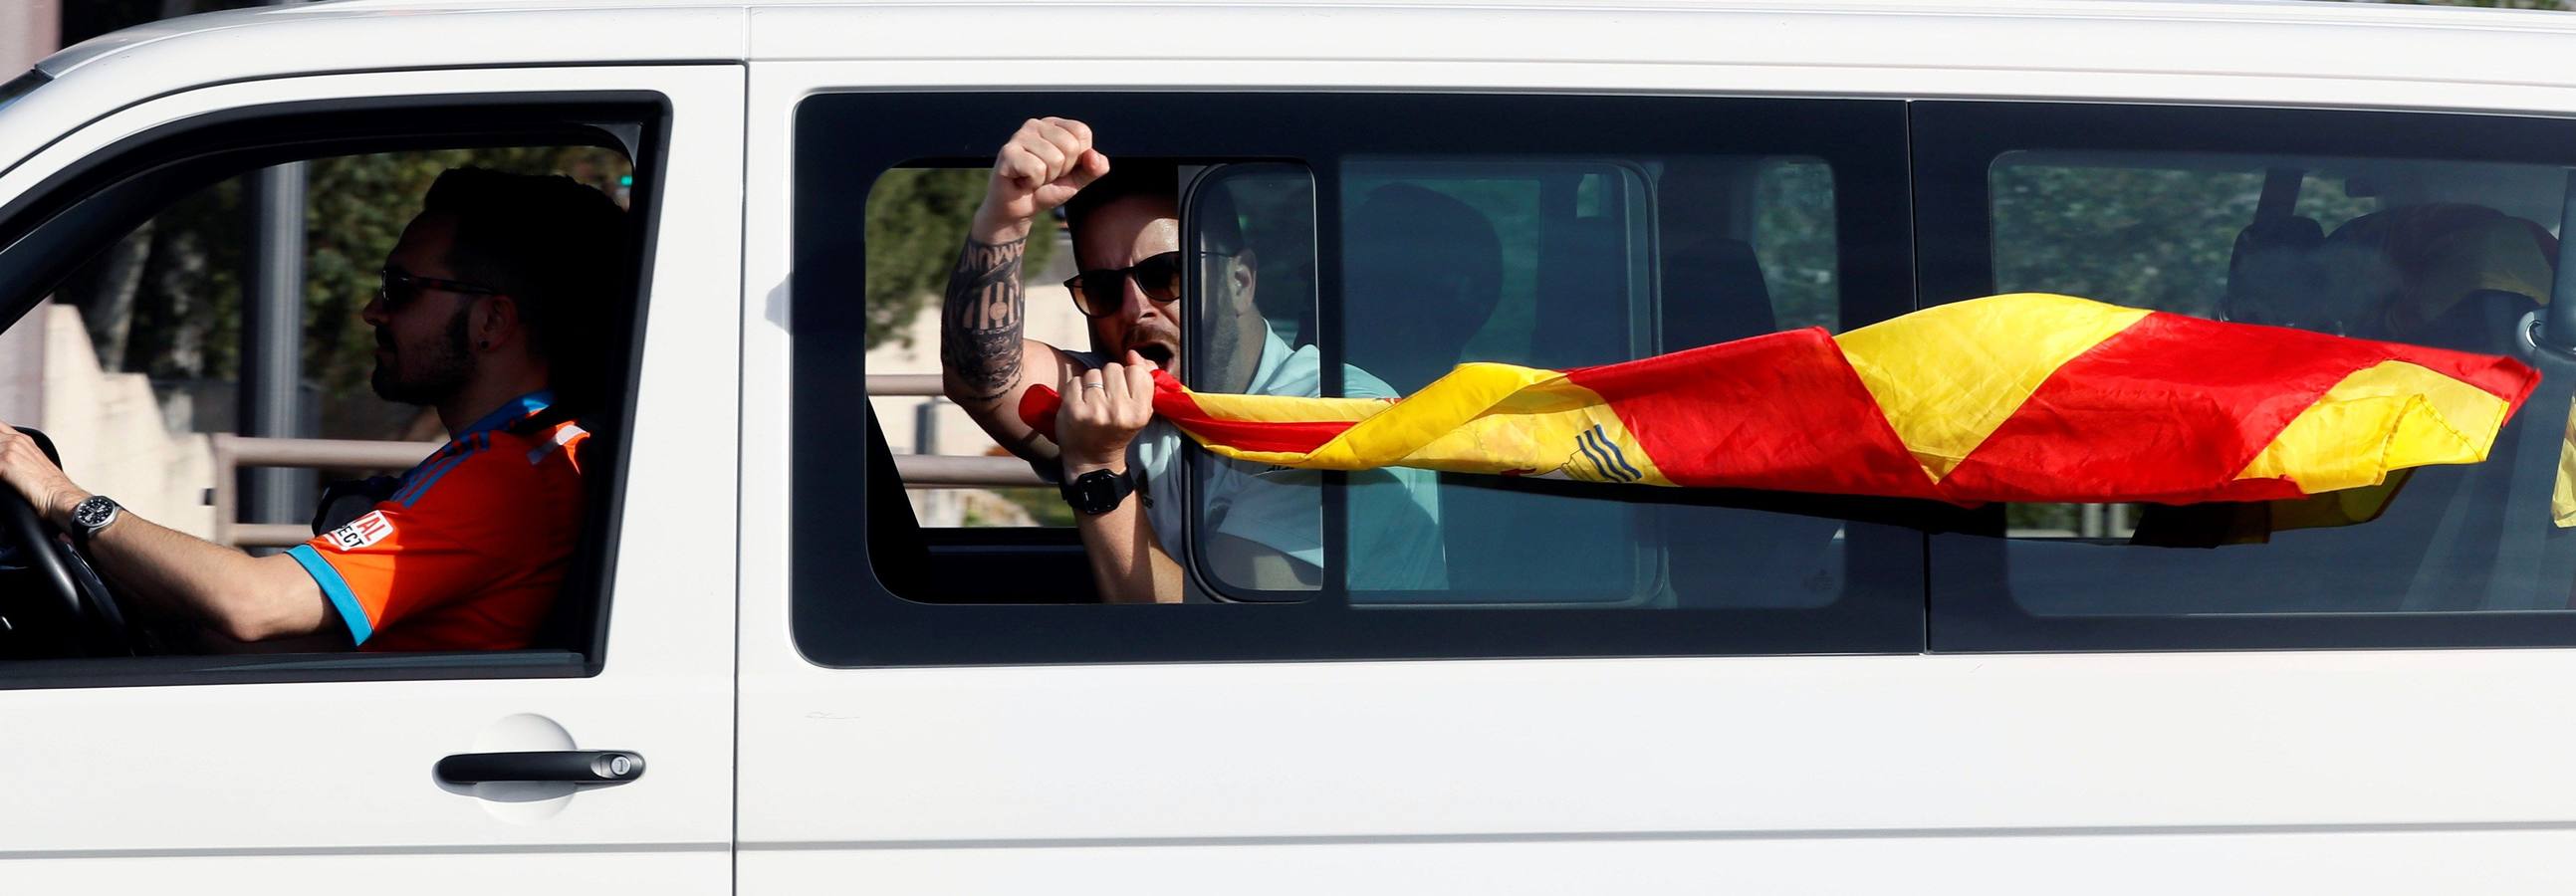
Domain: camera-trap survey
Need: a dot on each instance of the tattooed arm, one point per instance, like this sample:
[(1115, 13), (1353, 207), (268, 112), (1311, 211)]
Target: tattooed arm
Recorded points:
[(986, 364), (983, 359), (979, 329)]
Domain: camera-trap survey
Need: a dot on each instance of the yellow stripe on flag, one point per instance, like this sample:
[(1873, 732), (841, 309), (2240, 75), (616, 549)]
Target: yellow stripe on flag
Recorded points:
[(1388, 433), (1560, 428), (1946, 376), (2562, 493), (1481, 418), (1288, 408), (2387, 416)]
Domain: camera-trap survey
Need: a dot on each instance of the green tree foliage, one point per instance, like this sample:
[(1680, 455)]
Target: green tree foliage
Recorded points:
[(2149, 238), (1793, 236), (917, 221), (167, 300)]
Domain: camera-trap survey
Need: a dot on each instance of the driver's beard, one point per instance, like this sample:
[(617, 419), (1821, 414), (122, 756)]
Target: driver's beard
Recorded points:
[(438, 373)]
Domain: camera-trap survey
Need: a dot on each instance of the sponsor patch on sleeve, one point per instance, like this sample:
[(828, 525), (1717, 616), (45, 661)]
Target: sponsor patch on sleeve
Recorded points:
[(361, 532)]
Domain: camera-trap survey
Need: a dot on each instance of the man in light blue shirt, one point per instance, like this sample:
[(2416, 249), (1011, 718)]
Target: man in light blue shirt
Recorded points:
[(1260, 528), (1249, 509)]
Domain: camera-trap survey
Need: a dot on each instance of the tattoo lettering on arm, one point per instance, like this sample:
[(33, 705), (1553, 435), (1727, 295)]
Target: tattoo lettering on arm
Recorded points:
[(980, 323)]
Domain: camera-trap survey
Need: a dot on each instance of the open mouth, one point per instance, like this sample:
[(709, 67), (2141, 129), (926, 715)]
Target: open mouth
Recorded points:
[(1158, 353)]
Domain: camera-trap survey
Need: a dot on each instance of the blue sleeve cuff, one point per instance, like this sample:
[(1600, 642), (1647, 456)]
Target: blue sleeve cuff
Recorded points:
[(335, 588)]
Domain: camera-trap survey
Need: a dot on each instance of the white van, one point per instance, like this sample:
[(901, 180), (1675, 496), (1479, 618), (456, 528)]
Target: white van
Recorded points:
[(1609, 689)]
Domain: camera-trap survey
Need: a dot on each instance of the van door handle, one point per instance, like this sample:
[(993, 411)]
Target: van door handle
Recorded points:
[(575, 766)]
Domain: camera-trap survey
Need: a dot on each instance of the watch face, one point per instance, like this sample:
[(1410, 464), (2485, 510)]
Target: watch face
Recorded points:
[(94, 512), (1096, 492)]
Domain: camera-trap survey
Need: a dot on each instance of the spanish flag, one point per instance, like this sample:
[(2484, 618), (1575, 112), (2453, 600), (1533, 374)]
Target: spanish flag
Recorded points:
[(2024, 397)]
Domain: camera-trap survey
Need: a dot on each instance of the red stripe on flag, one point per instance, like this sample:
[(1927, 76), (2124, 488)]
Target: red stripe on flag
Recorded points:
[(1173, 404), (1783, 411), (2173, 404)]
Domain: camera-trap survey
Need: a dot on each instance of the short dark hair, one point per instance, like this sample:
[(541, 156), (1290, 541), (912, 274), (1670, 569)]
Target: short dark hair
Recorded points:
[(1160, 179), (552, 243)]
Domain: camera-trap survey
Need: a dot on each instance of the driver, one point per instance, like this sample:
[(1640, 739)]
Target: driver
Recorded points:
[(479, 317)]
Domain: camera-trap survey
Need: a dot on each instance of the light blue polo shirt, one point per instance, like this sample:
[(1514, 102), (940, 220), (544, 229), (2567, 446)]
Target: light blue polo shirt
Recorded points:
[(1394, 513)]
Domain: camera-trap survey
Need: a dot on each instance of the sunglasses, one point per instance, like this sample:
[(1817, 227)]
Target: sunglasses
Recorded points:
[(1101, 293), (399, 288)]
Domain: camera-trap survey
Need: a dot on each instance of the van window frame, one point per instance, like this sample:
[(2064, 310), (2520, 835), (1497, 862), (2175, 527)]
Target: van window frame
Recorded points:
[(844, 615), (1971, 605), (172, 160)]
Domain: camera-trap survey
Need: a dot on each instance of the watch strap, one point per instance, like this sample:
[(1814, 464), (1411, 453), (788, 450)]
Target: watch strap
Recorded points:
[(1097, 492)]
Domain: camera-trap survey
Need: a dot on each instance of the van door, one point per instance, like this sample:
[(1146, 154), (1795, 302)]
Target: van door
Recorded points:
[(2367, 693), (1594, 686), (307, 772)]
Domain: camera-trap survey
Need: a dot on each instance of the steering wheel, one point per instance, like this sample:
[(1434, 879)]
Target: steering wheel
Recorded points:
[(72, 595)]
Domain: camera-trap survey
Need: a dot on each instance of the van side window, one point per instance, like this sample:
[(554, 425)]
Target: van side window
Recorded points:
[(148, 254), (1572, 262), (1388, 248), (2428, 230)]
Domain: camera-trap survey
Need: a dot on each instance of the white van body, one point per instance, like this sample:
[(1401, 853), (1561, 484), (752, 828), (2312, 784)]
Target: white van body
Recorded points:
[(2350, 771)]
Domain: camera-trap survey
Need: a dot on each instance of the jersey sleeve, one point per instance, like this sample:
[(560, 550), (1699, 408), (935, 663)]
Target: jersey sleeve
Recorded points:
[(463, 528)]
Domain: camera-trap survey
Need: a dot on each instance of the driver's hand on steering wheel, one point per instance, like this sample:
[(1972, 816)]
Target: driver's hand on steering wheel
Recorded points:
[(26, 469)]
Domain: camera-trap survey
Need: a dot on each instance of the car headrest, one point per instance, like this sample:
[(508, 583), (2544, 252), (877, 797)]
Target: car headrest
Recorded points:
[(2272, 274), (1424, 272)]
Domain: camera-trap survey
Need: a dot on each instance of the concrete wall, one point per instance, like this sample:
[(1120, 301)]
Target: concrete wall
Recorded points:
[(111, 435), (28, 31), (22, 368)]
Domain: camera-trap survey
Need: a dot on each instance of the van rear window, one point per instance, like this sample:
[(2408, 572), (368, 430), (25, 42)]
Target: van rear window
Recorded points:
[(2437, 231)]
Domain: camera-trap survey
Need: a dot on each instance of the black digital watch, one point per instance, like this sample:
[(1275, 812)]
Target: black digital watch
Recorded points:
[(1097, 492)]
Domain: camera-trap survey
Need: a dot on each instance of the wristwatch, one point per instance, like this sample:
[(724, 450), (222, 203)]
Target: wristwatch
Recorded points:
[(1097, 492), (92, 516)]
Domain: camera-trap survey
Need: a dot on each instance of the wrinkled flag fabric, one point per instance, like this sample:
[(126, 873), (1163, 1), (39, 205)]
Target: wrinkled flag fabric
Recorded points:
[(2024, 397)]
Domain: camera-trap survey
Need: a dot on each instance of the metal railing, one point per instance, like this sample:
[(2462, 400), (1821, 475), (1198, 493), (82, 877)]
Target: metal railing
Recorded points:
[(924, 471), (905, 385), (235, 452), (920, 471)]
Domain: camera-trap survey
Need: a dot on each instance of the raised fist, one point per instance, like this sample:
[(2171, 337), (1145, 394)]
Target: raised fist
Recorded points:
[(1041, 167)]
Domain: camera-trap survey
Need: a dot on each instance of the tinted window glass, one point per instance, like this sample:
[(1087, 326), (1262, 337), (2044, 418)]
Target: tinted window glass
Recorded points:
[(1258, 530), (1571, 262), (2432, 231), (1391, 247), (1793, 240), (1543, 262)]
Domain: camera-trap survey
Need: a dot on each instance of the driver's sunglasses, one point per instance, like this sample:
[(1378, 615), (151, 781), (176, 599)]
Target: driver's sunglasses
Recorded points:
[(1102, 292), (399, 288)]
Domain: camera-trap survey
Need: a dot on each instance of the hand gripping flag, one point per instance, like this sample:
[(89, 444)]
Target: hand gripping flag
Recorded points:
[(2024, 397)]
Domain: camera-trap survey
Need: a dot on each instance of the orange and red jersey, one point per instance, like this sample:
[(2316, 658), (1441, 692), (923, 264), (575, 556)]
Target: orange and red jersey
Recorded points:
[(468, 553)]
